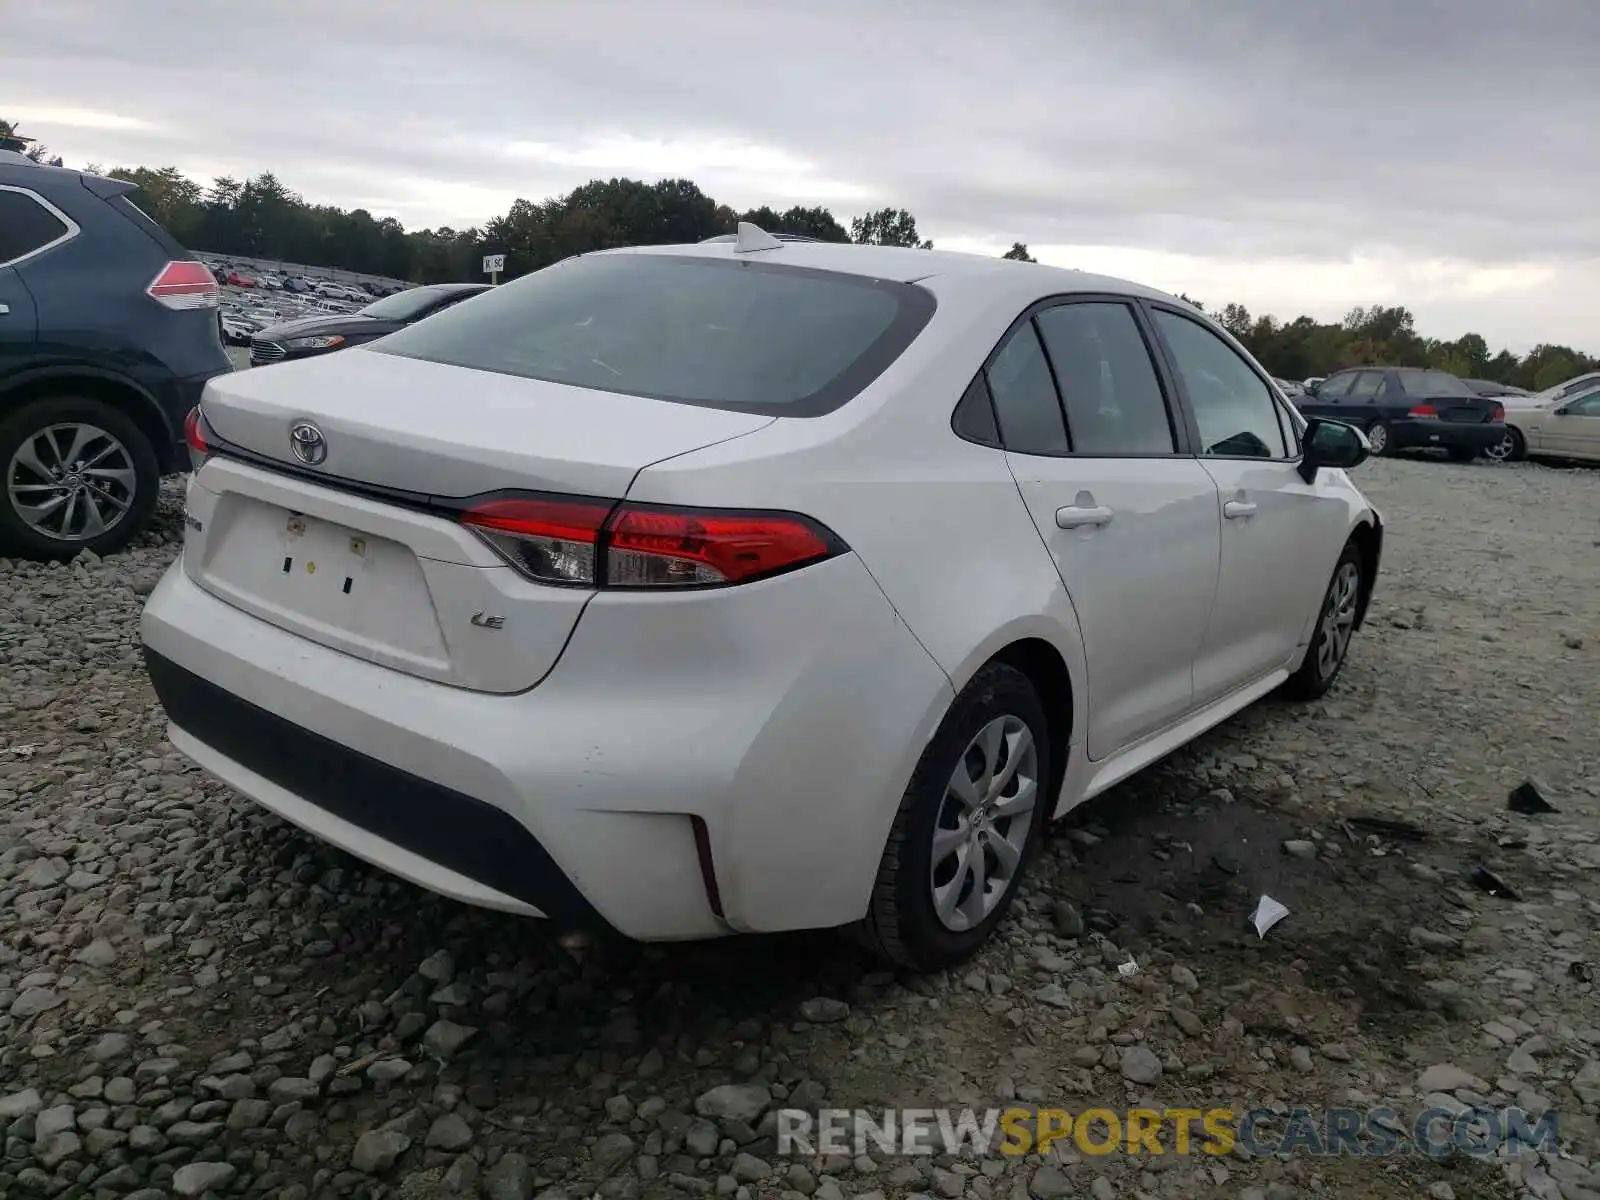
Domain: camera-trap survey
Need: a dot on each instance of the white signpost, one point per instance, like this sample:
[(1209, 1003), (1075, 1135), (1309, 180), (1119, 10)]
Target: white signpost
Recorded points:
[(493, 264)]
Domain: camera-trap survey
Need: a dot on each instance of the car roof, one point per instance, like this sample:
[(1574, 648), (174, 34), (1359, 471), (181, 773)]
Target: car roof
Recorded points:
[(1001, 276)]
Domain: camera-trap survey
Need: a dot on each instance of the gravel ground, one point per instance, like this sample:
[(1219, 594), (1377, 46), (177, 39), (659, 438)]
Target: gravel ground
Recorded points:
[(194, 997)]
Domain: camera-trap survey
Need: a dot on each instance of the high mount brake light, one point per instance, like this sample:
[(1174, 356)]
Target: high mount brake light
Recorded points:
[(184, 285), (579, 542)]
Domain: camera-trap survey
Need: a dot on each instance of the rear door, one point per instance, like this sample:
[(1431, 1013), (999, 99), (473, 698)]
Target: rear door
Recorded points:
[(1280, 536), (1131, 521), (1364, 403), (19, 323)]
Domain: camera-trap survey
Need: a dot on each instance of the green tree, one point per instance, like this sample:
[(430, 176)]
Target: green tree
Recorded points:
[(1236, 319), (887, 227), (816, 223), (1019, 253), (13, 139)]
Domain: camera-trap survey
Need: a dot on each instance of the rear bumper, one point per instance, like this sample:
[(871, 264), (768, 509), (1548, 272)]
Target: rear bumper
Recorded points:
[(1447, 435), (477, 852), (786, 715)]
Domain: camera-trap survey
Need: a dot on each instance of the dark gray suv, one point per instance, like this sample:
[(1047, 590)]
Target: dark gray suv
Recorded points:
[(108, 332)]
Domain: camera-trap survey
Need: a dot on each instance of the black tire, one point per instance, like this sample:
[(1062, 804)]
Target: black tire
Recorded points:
[(1378, 437), (1514, 448), (17, 536), (1312, 680), (902, 925)]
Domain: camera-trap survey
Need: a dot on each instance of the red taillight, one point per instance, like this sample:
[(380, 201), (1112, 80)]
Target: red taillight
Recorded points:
[(552, 540), (650, 547), (1423, 410), (591, 543), (1498, 412), (185, 285), (194, 436)]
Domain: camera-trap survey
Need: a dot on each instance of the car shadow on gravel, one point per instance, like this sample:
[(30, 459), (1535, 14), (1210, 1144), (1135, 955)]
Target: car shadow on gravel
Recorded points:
[(1157, 873)]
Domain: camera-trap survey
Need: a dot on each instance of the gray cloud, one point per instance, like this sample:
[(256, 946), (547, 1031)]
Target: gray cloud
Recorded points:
[(1239, 130)]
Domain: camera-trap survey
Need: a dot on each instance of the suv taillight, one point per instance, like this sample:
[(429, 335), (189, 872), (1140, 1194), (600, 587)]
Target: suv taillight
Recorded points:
[(1423, 410), (194, 436), (1498, 412), (579, 542), (185, 285)]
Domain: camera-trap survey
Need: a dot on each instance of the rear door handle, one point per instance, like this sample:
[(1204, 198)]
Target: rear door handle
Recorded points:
[(1235, 509), (1079, 517)]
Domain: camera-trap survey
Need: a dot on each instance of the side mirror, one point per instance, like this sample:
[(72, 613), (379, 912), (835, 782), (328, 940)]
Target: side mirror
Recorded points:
[(1331, 444)]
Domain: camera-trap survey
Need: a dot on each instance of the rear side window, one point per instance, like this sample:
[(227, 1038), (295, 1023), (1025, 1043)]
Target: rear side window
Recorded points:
[(1108, 383), (26, 225), (1367, 385), (1025, 396), (749, 336)]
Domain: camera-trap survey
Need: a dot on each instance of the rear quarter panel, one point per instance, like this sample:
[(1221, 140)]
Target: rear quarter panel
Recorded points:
[(938, 521)]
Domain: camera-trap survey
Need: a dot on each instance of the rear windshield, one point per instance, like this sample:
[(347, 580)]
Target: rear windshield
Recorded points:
[(402, 306), (749, 336), (1433, 383)]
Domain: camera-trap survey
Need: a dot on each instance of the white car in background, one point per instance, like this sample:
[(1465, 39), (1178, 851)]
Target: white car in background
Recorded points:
[(749, 586), (1561, 422)]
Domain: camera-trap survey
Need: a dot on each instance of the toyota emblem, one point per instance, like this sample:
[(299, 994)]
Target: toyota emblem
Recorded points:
[(307, 442)]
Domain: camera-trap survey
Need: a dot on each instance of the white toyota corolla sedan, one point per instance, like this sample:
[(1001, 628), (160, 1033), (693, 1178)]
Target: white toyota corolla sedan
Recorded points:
[(751, 585)]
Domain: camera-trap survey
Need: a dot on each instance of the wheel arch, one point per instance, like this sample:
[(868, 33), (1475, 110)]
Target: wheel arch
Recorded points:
[(115, 391), (1047, 670), (1367, 537), (1049, 651)]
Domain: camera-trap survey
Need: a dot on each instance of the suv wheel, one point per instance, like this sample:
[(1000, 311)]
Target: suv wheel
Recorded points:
[(966, 827), (75, 474)]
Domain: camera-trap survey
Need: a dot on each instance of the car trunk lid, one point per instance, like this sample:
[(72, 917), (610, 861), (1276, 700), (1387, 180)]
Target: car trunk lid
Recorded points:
[(1465, 410), (448, 431), (362, 552)]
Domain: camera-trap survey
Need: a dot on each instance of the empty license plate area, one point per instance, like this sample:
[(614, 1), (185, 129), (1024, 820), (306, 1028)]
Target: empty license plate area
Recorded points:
[(340, 586)]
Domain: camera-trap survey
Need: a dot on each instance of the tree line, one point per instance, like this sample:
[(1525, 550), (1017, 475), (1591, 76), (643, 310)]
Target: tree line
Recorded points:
[(260, 217)]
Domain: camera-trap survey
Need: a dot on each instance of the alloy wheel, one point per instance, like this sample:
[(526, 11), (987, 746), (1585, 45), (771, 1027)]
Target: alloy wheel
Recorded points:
[(71, 482), (983, 824), (1338, 619), (1502, 450), (1378, 439)]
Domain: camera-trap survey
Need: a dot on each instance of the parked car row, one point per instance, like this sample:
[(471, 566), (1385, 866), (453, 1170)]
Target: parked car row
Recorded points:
[(1409, 408), (325, 332), (242, 277)]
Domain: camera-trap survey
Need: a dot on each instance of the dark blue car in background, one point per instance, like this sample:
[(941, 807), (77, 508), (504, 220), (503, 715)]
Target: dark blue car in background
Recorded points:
[(1409, 408), (108, 332)]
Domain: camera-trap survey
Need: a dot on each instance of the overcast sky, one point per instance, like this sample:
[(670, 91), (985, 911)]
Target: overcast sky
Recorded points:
[(1294, 155)]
